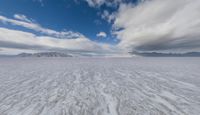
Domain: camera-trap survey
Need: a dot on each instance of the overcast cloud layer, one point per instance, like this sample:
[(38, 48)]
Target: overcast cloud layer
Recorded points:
[(159, 25)]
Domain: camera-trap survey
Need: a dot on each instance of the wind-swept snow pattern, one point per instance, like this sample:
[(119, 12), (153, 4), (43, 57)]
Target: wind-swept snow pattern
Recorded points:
[(99, 86)]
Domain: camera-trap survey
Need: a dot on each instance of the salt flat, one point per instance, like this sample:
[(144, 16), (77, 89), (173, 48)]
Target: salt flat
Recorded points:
[(99, 86)]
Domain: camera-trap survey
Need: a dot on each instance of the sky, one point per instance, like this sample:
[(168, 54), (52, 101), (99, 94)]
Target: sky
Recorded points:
[(99, 26)]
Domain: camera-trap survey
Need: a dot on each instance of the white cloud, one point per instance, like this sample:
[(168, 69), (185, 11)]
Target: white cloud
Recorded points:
[(16, 40), (159, 25), (38, 28), (98, 3), (27, 41), (95, 3), (22, 18), (102, 34), (108, 16)]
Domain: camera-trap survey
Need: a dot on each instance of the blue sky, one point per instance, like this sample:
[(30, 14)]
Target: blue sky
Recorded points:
[(61, 15), (99, 26)]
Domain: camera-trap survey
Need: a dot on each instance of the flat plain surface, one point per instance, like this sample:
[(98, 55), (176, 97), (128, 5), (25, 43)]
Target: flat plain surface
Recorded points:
[(99, 86)]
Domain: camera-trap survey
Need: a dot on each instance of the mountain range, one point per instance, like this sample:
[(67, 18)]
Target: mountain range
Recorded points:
[(156, 54), (44, 54)]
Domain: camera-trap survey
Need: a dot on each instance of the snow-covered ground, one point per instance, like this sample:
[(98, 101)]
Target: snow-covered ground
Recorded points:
[(100, 86)]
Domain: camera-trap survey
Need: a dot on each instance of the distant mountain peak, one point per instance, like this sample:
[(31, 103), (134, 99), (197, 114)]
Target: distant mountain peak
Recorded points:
[(44, 54)]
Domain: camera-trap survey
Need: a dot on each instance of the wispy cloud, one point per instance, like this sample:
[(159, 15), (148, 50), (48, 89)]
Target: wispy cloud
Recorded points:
[(22, 18), (40, 1), (109, 17), (27, 23), (98, 3)]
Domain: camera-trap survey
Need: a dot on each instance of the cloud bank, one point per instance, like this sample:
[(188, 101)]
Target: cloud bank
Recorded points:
[(24, 40), (159, 25), (15, 41)]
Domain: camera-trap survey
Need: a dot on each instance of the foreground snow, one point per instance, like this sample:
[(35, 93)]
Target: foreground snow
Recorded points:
[(97, 86)]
